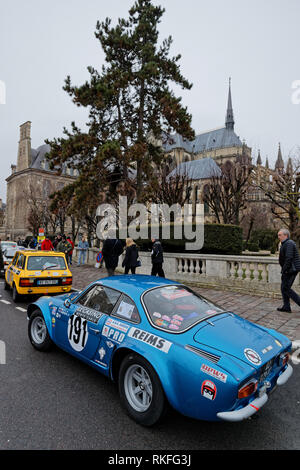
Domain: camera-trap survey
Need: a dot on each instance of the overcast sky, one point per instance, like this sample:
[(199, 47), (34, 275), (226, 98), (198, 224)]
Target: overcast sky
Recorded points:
[(255, 42)]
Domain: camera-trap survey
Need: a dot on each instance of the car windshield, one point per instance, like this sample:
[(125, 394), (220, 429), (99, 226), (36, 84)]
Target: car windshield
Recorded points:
[(9, 252), (177, 308), (45, 262)]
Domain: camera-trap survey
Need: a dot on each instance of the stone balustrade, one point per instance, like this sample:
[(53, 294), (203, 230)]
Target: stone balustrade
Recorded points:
[(258, 275)]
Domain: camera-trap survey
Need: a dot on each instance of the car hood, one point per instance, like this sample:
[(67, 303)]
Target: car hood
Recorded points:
[(233, 335)]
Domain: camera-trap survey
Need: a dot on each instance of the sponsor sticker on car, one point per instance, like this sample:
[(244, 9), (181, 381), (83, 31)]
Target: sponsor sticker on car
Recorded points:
[(148, 338), (217, 374)]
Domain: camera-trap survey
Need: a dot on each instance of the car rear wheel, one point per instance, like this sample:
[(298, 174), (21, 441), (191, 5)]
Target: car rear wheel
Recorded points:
[(38, 332), (15, 295), (140, 390)]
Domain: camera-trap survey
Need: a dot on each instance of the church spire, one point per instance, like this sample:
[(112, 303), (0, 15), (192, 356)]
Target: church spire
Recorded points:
[(259, 160), (279, 165), (229, 123)]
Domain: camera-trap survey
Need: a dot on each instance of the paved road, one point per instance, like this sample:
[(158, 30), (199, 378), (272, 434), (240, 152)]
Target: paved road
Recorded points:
[(53, 401)]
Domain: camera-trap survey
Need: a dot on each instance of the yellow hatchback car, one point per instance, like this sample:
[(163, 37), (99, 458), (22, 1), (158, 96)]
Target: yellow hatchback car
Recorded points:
[(37, 272)]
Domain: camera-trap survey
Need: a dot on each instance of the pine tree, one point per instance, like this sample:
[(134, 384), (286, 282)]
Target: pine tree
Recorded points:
[(128, 101)]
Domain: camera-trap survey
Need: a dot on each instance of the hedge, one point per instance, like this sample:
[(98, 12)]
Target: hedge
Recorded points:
[(218, 239)]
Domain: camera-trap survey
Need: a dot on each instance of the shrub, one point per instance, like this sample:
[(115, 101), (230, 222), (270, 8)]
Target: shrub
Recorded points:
[(218, 239)]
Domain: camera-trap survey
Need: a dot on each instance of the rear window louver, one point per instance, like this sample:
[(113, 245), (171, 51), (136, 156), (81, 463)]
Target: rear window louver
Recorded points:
[(211, 357)]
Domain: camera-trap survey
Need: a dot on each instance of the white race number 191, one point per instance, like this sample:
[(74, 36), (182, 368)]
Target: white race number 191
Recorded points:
[(77, 332)]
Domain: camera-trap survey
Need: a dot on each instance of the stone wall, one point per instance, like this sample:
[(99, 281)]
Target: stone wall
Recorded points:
[(259, 275)]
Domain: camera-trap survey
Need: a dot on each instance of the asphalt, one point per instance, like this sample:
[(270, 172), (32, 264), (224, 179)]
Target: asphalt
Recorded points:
[(257, 309)]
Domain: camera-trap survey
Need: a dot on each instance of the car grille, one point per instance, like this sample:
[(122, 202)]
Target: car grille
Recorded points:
[(211, 357)]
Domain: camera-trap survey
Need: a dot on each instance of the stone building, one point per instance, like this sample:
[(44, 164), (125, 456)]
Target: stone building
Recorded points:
[(30, 180)]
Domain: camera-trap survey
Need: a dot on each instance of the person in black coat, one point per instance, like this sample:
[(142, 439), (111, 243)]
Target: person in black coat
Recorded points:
[(112, 249), (289, 261), (130, 262), (157, 259)]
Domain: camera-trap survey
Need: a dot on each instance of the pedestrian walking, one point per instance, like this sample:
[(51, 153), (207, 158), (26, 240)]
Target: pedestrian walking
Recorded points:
[(111, 250), (47, 244), (64, 246), (83, 247), (157, 259), (70, 254), (289, 261), (130, 261)]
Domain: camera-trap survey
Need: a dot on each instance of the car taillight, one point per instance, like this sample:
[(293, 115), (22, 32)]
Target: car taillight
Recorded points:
[(247, 389), (26, 282), (66, 281), (284, 358)]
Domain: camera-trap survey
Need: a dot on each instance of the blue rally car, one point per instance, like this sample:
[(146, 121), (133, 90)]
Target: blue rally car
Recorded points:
[(164, 344)]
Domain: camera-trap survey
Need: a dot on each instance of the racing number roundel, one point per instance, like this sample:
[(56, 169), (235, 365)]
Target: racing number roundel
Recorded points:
[(252, 356), (77, 332)]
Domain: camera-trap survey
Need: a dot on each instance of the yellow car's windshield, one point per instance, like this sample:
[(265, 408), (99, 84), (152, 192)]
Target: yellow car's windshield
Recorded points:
[(45, 262)]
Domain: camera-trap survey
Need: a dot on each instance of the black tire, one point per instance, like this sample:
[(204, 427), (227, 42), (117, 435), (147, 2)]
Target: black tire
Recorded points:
[(145, 414), (6, 285), (15, 295), (38, 333)]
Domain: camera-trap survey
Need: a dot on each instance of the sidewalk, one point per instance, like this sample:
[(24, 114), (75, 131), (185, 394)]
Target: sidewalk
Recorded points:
[(256, 309)]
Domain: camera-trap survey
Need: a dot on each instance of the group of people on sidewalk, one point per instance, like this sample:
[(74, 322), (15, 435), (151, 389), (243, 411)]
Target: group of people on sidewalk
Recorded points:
[(62, 244), (289, 259), (113, 248)]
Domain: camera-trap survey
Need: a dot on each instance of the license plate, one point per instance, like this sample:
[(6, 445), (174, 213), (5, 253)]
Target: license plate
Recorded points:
[(48, 282), (266, 369)]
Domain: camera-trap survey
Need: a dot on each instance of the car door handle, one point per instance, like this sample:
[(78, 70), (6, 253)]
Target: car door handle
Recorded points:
[(95, 330)]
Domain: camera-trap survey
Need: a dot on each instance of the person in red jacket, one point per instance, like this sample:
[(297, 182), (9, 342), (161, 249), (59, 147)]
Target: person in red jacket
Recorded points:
[(71, 251), (47, 245)]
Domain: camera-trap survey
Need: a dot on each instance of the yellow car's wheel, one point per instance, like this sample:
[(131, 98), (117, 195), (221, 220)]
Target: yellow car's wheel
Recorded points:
[(15, 295)]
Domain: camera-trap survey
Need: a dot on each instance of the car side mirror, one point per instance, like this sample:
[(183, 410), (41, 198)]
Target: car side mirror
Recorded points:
[(67, 303)]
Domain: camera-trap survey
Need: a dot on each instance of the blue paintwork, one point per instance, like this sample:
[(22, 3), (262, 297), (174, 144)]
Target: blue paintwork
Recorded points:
[(179, 369)]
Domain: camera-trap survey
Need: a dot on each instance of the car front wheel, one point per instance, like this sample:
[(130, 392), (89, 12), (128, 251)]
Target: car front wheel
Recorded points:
[(140, 390), (38, 332)]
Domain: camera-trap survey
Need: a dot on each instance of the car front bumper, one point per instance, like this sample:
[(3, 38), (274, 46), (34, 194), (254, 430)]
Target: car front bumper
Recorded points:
[(256, 404)]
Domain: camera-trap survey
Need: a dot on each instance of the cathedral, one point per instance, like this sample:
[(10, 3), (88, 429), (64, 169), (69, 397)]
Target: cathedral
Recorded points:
[(201, 159)]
